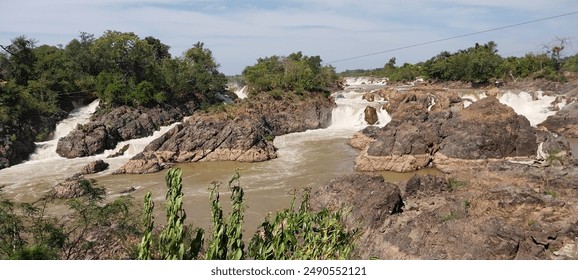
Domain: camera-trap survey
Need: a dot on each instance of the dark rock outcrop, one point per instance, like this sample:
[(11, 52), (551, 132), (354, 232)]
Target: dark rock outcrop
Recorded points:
[(426, 126), (94, 167), (372, 198), (564, 122), (120, 152), (487, 129), (123, 123), (245, 135), (502, 211), (17, 138)]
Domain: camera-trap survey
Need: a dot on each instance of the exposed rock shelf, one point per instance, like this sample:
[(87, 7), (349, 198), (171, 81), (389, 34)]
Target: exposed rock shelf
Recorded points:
[(245, 134), (434, 128), (501, 211), (105, 131)]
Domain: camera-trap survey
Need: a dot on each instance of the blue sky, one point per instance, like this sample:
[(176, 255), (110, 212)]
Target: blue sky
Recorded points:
[(240, 32)]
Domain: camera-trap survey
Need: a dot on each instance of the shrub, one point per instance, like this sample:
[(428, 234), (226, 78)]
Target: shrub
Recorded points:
[(292, 234)]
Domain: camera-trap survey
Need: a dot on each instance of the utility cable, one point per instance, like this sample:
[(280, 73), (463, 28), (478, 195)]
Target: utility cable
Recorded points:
[(453, 37)]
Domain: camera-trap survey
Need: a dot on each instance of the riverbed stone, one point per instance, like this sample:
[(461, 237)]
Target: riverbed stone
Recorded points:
[(94, 167), (564, 122), (370, 115)]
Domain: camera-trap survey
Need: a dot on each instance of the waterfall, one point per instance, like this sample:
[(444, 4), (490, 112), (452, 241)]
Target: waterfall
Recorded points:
[(242, 93), (81, 115), (535, 107), (349, 112)]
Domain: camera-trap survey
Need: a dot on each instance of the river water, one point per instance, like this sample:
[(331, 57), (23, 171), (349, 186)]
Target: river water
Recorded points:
[(305, 160)]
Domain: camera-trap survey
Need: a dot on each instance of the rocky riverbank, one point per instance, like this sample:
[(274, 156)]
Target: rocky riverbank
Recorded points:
[(509, 190), (499, 210), (17, 139)]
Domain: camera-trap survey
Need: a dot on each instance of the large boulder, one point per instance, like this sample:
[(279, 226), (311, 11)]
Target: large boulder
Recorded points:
[(428, 126), (564, 122), (106, 130), (244, 134), (370, 198), (370, 115), (487, 129), (75, 187), (94, 167)]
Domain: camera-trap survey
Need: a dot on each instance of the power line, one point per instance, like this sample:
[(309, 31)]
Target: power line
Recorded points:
[(454, 37)]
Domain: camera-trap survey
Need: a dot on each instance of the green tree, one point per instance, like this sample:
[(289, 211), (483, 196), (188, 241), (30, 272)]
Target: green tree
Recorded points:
[(19, 63), (295, 73), (203, 76)]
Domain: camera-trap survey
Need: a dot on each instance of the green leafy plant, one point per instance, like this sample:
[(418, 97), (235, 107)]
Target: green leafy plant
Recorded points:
[(302, 234), (292, 234)]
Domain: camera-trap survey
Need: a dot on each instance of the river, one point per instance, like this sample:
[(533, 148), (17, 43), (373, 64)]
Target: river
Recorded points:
[(305, 160)]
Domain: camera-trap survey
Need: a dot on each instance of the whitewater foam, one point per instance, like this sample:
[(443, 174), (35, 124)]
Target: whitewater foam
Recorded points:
[(536, 108)]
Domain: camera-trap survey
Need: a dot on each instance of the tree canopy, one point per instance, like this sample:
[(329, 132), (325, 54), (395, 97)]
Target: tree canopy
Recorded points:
[(295, 73), (120, 68), (479, 64)]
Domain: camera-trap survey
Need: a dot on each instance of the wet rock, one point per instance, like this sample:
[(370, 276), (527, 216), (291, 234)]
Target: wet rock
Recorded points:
[(370, 115), (128, 190), (564, 122), (120, 152), (122, 123), (370, 97), (94, 167), (73, 187)]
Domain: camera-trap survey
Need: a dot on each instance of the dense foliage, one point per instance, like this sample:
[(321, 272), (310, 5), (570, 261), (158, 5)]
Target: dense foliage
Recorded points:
[(27, 232), (480, 64), (294, 73), (119, 68), (290, 234)]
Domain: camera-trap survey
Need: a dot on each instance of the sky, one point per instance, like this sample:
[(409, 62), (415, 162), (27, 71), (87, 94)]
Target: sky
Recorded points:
[(240, 32)]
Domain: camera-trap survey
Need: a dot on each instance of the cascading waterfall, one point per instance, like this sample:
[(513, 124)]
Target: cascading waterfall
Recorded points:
[(81, 115), (536, 108), (242, 93), (46, 168), (305, 159), (349, 113)]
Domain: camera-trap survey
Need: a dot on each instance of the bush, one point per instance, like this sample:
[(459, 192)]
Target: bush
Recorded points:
[(291, 234), (295, 73)]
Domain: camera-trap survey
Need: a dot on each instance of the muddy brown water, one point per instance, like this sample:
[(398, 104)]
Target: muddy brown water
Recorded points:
[(269, 186)]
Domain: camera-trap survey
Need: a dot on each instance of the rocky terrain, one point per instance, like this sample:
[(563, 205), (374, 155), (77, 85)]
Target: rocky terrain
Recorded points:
[(107, 129), (500, 211), (245, 133), (17, 139), (433, 127), (508, 190), (565, 122)]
